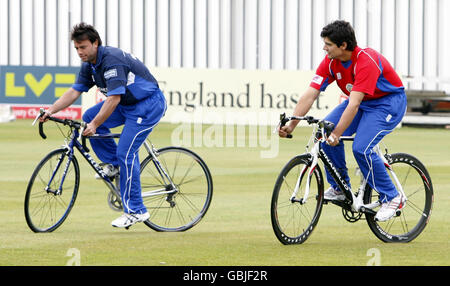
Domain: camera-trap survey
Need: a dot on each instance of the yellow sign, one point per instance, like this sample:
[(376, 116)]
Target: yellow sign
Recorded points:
[(37, 86)]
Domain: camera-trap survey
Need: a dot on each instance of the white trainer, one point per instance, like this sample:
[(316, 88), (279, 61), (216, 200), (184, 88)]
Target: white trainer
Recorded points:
[(127, 220), (109, 170), (389, 209), (333, 195)]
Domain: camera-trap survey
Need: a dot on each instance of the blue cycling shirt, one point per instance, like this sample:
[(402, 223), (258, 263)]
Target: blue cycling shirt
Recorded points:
[(117, 73)]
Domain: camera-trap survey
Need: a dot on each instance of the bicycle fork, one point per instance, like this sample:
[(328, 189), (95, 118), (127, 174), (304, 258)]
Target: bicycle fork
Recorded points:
[(69, 155), (314, 154)]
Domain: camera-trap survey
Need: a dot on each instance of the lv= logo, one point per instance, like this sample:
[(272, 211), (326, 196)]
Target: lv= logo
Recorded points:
[(38, 87)]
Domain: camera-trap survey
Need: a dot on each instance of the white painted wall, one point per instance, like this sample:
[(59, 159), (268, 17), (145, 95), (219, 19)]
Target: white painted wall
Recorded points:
[(239, 34)]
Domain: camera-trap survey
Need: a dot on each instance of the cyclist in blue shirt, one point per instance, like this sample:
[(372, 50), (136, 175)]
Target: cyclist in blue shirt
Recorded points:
[(133, 100)]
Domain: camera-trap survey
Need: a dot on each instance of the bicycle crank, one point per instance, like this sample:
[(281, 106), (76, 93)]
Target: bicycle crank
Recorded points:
[(114, 202), (351, 216)]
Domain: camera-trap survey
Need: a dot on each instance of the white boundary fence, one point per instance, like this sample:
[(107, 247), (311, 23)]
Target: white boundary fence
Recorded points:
[(232, 34)]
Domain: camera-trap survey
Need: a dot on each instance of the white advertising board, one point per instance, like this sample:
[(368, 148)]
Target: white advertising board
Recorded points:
[(240, 97)]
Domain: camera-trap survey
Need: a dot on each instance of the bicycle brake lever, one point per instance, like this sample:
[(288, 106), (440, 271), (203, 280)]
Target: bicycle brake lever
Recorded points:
[(83, 126), (41, 112), (83, 138), (283, 121)]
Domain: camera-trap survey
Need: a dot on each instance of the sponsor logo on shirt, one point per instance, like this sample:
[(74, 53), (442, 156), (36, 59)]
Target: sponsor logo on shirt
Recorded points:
[(110, 73), (349, 87), (317, 79), (103, 90)]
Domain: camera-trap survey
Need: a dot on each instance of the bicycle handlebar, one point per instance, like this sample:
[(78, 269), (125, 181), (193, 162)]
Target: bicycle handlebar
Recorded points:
[(326, 125), (69, 122), (283, 121)]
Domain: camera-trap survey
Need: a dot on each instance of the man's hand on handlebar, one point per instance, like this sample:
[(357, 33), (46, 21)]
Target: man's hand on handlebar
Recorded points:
[(333, 140), (89, 130), (44, 116), (284, 131)]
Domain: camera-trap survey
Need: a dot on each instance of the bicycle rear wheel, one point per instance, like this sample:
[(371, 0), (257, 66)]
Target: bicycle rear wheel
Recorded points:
[(181, 208), (407, 224), (45, 207), (293, 221)]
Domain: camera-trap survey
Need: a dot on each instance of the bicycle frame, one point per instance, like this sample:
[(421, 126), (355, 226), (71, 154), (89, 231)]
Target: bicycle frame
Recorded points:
[(69, 146), (154, 154), (355, 202), (75, 143), (151, 150)]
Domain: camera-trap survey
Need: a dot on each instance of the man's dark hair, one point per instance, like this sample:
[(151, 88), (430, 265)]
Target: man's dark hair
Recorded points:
[(83, 31), (339, 32)]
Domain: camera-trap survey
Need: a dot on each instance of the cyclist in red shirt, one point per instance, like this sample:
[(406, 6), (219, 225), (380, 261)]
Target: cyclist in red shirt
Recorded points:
[(376, 105)]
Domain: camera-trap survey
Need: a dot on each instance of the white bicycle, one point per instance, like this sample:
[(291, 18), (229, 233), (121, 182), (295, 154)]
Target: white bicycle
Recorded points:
[(297, 198)]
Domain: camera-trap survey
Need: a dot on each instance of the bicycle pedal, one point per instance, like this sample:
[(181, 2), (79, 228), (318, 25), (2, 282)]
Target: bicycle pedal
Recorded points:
[(367, 211)]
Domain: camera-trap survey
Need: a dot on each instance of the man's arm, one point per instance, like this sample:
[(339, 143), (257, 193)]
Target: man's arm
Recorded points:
[(69, 97), (347, 117), (108, 107), (303, 106)]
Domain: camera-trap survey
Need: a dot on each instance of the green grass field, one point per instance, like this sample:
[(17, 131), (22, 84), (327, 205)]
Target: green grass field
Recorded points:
[(236, 230)]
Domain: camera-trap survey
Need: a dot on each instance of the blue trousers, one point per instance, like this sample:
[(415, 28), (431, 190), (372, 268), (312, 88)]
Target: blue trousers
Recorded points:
[(138, 120), (374, 120)]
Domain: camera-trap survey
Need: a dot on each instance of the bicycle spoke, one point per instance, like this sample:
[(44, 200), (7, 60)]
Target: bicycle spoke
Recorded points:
[(293, 221), (156, 177), (413, 217), (414, 207), (182, 207), (45, 209), (418, 190), (199, 177), (404, 222), (187, 172), (189, 202), (406, 177), (175, 165), (154, 199), (149, 186)]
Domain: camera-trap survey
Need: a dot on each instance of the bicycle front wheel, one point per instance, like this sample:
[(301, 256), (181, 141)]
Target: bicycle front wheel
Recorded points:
[(293, 220), (51, 191), (182, 207), (408, 223)]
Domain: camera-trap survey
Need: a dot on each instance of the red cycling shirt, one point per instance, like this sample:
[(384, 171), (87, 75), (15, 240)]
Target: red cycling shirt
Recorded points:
[(367, 71)]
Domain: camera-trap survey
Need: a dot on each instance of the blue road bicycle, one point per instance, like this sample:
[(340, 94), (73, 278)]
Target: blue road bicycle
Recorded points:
[(176, 183)]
